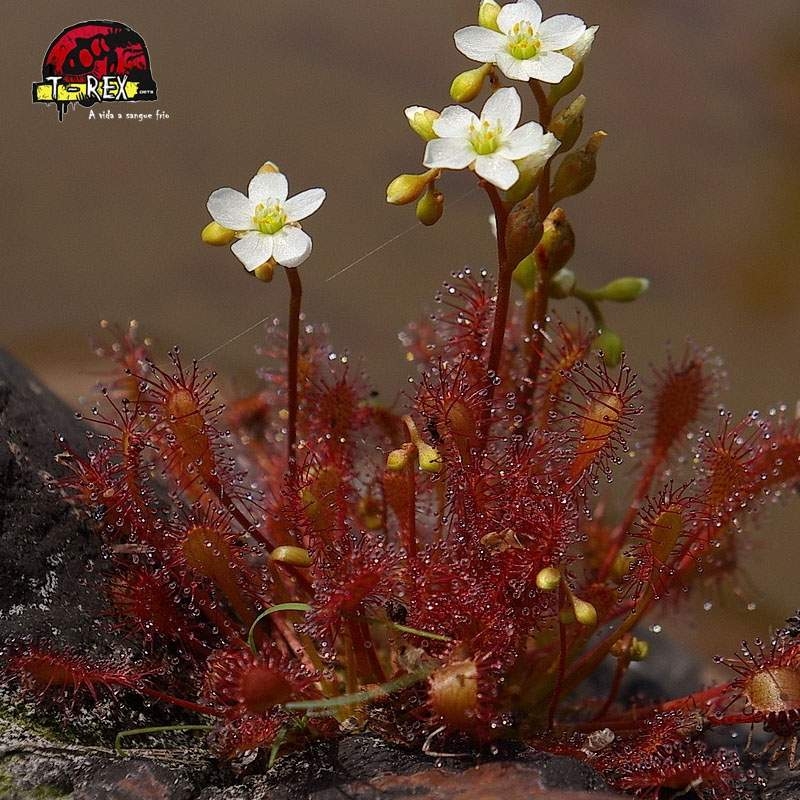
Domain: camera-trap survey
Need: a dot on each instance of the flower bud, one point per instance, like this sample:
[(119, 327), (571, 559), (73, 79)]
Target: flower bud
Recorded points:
[(466, 86), (526, 274), (487, 15), (557, 244), (453, 693), (640, 649), (576, 172), (622, 290), (548, 579), (216, 234), (430, 206), (585, 612), (610, 345), (265, 272), (523, 230), (568, 124), (562, 284), (268, 168), (421, 120), (409, 188), (401, 458), (294, 556)]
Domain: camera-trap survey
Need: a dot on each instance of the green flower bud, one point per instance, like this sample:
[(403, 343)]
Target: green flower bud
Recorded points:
[(217, 235), (576, 172), (294, 556), (466, 86), (548, 579), (568, 124), (639, 650), (523, 230), (409, 188), (610, 345), (487, 14), (585, 612), (399, 459), (622, 290), (557, 244), (562, 284), (428, 458), (430, 206), (526, 274), (421, 121)]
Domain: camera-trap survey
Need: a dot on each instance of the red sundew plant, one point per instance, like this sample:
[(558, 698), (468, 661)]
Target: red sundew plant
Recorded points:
[(306, 560)]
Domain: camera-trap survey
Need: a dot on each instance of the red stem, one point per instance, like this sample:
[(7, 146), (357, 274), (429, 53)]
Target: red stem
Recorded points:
[(505, 272), (295, 301), (177, 701)]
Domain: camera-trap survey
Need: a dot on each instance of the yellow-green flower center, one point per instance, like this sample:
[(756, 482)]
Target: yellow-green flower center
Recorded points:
[(523, 43), (269, 217), (485, 138)]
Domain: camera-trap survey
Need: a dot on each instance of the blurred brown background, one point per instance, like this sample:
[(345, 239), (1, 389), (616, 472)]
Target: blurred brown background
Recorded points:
[(698, 188)]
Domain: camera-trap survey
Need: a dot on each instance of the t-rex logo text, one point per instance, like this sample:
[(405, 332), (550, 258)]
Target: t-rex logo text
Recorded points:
[(92, 62)]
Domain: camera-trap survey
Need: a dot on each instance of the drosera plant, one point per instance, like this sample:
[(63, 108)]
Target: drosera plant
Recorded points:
[(306, 561)]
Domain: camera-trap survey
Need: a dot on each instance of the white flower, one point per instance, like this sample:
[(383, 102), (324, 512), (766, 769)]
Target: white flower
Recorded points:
[(266, 223), (525, 47), (577, 52), (490, 144)]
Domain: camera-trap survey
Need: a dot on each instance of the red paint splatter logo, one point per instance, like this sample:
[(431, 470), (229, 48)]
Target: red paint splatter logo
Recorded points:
[(92, 62)]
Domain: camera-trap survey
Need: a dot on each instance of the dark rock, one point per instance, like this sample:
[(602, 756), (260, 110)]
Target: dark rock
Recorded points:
[(137, 779), (45, 547)]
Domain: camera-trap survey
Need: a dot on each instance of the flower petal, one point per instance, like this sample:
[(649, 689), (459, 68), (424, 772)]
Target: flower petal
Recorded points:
[(512, 67), (505, 107), (268, 186), (561, 31), (292, 246), (523, 11), (522, 142), (451, 153), (538, 158), (550, 67), (479, 44), (454, 121), (304, 204), (253, 249), (499, 171), (230, 209)]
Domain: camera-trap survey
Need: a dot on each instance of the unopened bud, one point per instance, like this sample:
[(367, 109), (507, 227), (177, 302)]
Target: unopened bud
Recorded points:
[(430, 206), (622, 290), (487, 15), (557, 244), (576, 172), (217, 234), (409, 188), (548, 579), (421, 120), (526, 274), (639, 650), (523, 230), (428, 458), (568, 124), (266, 271), (294, 556), (401, 458), (268, 168), (466, 86), (585, 612), (562, 284), (610, 345)]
